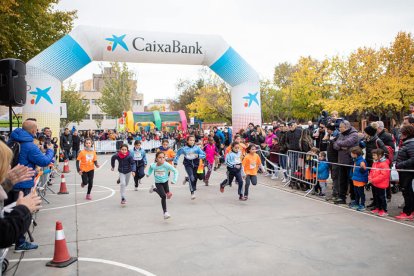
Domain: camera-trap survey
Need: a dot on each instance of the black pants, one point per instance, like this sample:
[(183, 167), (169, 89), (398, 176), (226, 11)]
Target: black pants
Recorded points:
[(236, 173), (253, 180), (162, 190), (345, 183), (87, 179), (408, 194), (379, 198), (139, 174), (192, 177)]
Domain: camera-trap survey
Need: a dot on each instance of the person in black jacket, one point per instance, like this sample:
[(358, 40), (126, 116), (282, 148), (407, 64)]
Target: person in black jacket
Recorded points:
[(332, 154), (283, 150), (405, 161), (126, 167), (75, 144), (17, 222), (66, 143), (293, 137), (319, 136)]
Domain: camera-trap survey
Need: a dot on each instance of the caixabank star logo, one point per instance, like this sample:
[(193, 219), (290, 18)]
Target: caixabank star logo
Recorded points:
[(250, 98), (39, 94), (114, 41)]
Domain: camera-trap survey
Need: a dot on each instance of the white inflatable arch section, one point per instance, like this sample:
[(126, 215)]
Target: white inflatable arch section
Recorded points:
[(85, 44)]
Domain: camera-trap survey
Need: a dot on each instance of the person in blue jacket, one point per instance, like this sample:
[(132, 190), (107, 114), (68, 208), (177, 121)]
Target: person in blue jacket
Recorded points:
[(140, 158), (220, 135), (126, 167), (31, 156), (192, 155), (322, 173)]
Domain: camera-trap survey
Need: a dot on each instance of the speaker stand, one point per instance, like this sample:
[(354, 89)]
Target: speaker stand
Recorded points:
[(10, 118)]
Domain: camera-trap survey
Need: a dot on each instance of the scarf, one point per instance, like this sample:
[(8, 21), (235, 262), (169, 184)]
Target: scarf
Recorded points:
[(122, 156)]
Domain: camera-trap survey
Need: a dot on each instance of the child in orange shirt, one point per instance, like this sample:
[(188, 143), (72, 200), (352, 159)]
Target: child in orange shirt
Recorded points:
[(168, 152), (85, 164), (251, 164)]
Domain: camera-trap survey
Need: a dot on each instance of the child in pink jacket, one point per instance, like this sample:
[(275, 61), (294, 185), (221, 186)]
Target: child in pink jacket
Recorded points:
[(211, 151), (380, 180)]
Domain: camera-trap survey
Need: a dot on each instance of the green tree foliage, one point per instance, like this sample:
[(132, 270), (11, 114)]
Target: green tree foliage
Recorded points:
[(117, 91), (29, 27), (76, 109)]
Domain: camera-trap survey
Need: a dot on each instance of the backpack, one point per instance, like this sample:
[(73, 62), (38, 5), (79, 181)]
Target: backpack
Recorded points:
[(390, 156), (15, 148)]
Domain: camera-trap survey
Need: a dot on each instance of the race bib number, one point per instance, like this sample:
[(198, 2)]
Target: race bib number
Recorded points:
[(160, 173), (137, 156), (237, 160), (89, 157), (191, 156), (252, 166)]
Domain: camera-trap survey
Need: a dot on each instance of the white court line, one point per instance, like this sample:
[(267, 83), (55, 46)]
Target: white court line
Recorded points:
[(101, 166), (330, 204), (83, 203), (94, 260)]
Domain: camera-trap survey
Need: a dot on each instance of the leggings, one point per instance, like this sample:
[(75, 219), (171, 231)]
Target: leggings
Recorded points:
[(139, 174), (87, 179), (192, 177), (236, 173), (162, 190), (209, 169), (249, 178), (124, 179)]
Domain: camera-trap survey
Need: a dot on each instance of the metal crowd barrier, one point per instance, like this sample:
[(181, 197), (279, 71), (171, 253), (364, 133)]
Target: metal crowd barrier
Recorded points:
[(303, 168)]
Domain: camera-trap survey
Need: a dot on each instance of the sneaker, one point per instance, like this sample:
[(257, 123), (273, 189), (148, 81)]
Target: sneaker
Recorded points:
[(382, 213), (352, 203), (404, 216), (266, 174), (169, 195), (151, 189), (185, 181), (354, 206), (241, 197), (83, 185), (340, 201), (193, 196), (274, 177), (26, 246), (221, 189), (375, 211), (123, 201), (321, 194), (136, 188), (167, 215), (284, 180), (88, 197), (361, 208), (246, 197), (118, 181)]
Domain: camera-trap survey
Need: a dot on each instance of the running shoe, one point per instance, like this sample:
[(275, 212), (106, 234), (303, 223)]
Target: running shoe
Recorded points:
[(136, 188), (185, 180), (361, 208), (88, 197), (167, 215), (404, 216), (193, 196), (375, 211), (354, 206), (26, 246), (123, 201), (274, 177), (241, 197), (151, 189), (118, 181), (169, 195), (382, 213), (246, 197), (221, 189), (284, 180), (83, 185)]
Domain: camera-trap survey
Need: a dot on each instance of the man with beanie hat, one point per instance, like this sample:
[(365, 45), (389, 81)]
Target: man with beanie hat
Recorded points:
[(371, 142), (332, 155)]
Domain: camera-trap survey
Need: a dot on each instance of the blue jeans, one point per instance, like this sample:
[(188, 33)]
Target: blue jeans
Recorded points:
[(282, 162), (359, 195)]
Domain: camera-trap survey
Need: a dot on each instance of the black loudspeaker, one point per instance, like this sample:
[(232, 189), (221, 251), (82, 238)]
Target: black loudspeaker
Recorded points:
[(12, 82)]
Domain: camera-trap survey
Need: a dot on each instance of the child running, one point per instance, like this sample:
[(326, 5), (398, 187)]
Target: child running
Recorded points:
[(126, 167), (140, 159), (359, 178), (380, 180), (85, 164), (192, 155), (251, 164), (211, 152), (169, 153), (242, 149), (234, 168), (161, 171)]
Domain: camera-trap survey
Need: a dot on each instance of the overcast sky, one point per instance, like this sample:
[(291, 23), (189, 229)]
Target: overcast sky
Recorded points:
[(264, 32)]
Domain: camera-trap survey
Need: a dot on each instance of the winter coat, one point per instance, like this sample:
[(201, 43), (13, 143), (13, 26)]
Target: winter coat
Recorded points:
[(75, 142), (331, 153), (380, 178), (373, 143), (293, 139), (221, 136), (321, 144), (345, 141), (30, 155), (358, 173), (189, 156), (66, 142), (405, 161), (387, 139), (14, 225), (282, 142), (274, 157), (139, 156), (322, 171), (269, 139), (125, 165), (211, 152)]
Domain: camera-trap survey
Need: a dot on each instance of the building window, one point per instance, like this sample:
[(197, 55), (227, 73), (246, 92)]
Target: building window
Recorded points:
[(93, 102), (97, 116), (109, 117), (87, 117), (138, 103), (85, 101)]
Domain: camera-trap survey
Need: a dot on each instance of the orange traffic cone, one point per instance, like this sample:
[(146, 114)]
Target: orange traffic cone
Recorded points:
[(61, 257), (66, 166), (63, 189)]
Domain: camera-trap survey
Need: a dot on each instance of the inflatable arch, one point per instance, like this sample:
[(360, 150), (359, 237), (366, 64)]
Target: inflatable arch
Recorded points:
[(85, 44), (156, 118)]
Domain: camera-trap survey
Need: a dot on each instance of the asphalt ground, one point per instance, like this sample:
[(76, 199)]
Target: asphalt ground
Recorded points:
[(277, 231)]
